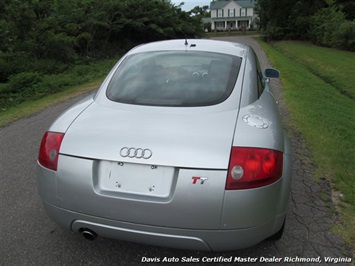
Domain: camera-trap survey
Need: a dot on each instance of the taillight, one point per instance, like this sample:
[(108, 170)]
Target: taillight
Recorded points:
[(49, 150), (253, 168)]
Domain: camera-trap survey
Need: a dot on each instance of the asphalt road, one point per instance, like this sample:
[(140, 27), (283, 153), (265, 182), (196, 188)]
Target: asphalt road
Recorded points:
[(29, 237)]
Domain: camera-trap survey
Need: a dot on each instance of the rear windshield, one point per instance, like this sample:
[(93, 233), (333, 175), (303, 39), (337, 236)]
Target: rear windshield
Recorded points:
[(174, 78)]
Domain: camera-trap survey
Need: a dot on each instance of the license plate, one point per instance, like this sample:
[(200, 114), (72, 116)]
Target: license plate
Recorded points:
[(139, 179)]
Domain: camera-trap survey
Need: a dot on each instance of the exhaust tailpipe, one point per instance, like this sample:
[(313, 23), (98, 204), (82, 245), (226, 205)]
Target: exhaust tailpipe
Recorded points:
[(88, 234)]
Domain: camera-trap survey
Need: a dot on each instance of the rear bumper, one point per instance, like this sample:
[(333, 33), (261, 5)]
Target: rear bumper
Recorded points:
[(207, 240)]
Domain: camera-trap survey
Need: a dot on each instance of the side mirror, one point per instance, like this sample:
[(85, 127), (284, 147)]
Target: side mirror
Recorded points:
[(272, 73)]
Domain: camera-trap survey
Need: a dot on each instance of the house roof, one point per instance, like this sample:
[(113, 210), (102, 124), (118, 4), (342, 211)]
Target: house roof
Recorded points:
[(242, 3)]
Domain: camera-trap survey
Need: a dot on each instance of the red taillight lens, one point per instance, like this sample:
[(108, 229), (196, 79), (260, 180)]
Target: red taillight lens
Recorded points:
[(49, 150), (253, 167)]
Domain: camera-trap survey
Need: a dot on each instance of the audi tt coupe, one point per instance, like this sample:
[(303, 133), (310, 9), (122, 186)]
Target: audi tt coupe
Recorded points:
[(181, 146)]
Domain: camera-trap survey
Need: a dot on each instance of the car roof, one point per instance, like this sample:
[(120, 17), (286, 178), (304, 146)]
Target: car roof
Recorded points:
[(201, 45)]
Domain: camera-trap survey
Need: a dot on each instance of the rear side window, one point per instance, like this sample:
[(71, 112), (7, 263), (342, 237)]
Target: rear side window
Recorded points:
[(174, 78)]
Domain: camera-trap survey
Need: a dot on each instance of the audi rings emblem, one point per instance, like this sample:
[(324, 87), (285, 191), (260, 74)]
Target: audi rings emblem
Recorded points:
[(136, 153)]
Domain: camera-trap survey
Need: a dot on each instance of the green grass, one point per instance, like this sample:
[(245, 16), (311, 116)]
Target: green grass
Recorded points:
[(318, 85), (333, 66)]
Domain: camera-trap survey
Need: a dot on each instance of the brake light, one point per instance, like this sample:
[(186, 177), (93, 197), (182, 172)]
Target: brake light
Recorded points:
[(49, 150), (253, 168)]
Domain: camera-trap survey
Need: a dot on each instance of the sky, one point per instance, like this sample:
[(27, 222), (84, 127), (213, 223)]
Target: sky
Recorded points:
[(191, 4)]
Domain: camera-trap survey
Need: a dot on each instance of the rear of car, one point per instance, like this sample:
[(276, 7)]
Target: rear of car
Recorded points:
[(182, 147)]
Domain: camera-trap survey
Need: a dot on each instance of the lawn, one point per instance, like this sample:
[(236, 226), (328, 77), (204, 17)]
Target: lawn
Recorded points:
[(333, 66), (318, 85)]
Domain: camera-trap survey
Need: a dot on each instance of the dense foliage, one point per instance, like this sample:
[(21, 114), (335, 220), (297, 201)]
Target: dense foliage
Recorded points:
[(324, 22), (40, 38)]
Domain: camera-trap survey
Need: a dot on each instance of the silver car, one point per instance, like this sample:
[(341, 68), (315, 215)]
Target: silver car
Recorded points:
[(182, 146)]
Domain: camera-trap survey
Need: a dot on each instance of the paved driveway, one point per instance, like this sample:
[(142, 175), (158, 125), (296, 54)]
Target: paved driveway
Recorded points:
[(28, 236)]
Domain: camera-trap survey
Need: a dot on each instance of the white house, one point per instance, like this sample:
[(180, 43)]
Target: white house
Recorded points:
[(233, 14)]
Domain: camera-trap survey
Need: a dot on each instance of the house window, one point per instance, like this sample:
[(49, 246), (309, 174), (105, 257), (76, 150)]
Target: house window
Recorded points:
[(220, 13), (231, 12), (242, 12)]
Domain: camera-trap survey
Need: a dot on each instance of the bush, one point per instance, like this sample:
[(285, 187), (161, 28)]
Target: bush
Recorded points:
[(33, 85), (330, 28), (12, 63), (24, 82), (344, 38), (20, 87), (273, 32), (324, 25)]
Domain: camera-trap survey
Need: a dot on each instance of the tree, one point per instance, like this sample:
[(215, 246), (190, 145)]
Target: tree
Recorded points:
[(33, 32), (321, 21), (348, 7), (325, 23), (200, 12), (274, 17)]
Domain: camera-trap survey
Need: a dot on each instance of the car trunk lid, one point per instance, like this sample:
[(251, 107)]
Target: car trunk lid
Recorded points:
[(190, 140)]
